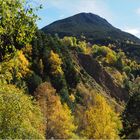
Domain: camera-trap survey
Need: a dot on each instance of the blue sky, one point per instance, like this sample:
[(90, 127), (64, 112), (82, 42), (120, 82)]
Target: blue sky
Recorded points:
[(123, 14)]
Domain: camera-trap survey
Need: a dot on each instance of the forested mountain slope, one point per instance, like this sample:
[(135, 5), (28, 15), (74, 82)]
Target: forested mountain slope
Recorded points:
[(103, 78), (96, 30), (65, 87), (91, 26)]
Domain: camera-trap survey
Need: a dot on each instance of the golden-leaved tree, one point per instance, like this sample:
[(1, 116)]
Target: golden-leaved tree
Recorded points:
[(14, 67), (111, 58), (55, 63), (20, 116), (69, 41), (59, 120), (101, 122)]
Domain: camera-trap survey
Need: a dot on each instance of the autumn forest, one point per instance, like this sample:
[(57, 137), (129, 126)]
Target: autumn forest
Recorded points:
[(66, 80)]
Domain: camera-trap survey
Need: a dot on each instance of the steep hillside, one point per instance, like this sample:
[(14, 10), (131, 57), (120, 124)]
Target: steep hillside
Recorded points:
[(94, 78), (66, 88), (93, 27), (103, 78)]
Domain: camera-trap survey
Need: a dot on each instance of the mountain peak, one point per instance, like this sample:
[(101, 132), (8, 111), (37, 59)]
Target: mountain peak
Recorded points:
[(87, 14), (92, 26), (93, 18)]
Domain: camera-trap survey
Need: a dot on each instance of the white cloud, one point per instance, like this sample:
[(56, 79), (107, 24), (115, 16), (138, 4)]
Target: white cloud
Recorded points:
[(138, 11), (134, 31), (77, 6), (66, 8)]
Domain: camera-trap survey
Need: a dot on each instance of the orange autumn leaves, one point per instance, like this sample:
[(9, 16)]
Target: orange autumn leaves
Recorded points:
[(99, 120), (59, 120)]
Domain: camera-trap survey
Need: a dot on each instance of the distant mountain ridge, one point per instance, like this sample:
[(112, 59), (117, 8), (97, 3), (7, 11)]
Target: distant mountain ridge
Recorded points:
[(92, 26)]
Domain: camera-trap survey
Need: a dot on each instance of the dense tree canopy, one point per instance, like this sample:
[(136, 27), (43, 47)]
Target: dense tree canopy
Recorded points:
[(59, 121), (69, 97), (17, 25), (20, 117), (101, 122), (131, 117)]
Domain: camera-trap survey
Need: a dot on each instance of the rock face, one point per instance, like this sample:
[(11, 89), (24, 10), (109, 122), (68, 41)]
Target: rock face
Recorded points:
[(97, 72)]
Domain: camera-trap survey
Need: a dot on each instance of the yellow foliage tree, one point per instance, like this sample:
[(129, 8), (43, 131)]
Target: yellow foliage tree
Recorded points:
[(72, 98), (20, 116), (55, 62), (101, 122), (22, 63), (69, 41), (84, 47), (15, 67), (41, 66), (27, 51), (59, 121), (110, 58)]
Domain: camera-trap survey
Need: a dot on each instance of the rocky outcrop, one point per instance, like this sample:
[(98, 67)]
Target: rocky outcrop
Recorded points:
[(97, 72)]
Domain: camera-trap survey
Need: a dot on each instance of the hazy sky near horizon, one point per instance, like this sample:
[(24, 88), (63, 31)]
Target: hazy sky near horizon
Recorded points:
[(123, 14)]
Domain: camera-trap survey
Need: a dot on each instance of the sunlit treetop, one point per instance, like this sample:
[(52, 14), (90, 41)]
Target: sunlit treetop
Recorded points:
[(17, 24)]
